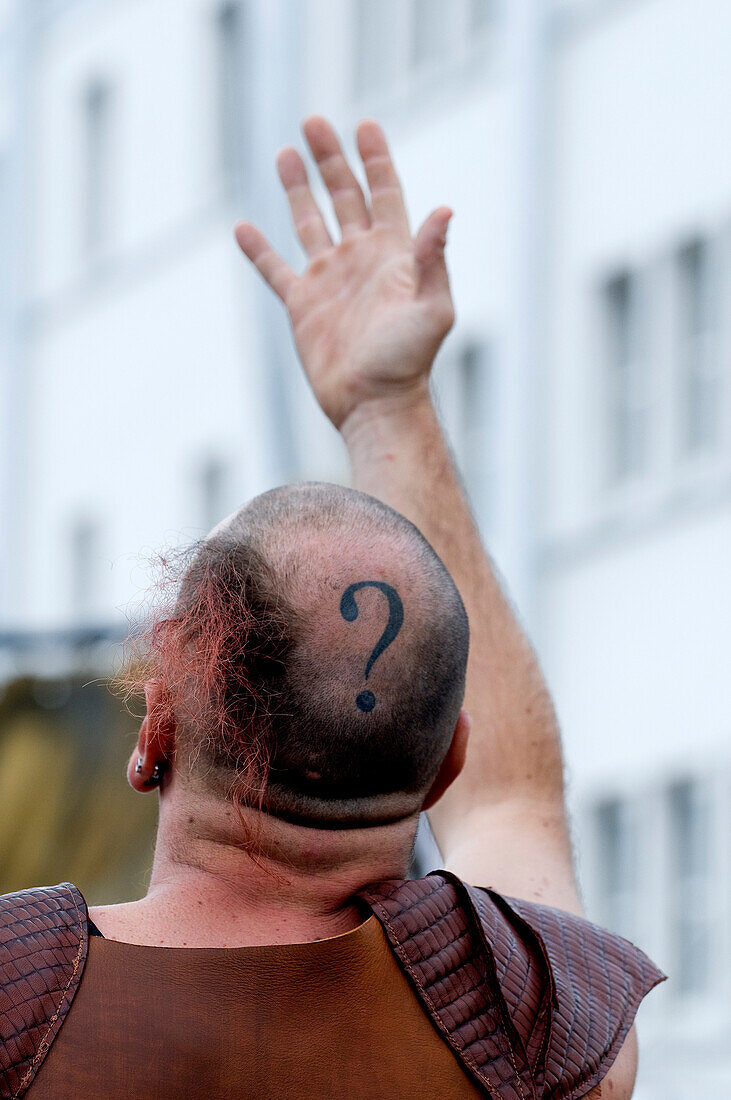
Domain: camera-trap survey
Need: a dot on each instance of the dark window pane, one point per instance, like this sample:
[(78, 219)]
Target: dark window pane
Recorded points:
[(212, 492), (481, 14), (84, 568), (617, 872), (690, 844), (97, 168), (233, 120), (701, 380), (430, 28), (371, 46), (476, 427), (628, 381)]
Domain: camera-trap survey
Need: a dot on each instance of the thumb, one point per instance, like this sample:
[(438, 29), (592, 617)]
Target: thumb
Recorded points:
[(431, 239)]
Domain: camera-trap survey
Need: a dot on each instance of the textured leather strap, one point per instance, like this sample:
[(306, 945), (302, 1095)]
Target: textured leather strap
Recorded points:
[(534, 1001), (598, 981), (43, 945), (441, 949)]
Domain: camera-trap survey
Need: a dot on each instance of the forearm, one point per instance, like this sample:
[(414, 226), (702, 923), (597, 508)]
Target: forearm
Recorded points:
[(398, 453), (368, 316)]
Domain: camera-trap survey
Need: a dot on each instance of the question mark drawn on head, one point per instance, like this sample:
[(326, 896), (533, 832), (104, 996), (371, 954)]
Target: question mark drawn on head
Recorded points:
[(366, 701)]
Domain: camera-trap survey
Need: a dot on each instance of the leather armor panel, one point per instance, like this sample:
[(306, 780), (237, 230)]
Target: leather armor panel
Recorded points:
[(535, 1001), (598, 981), (43, 943)]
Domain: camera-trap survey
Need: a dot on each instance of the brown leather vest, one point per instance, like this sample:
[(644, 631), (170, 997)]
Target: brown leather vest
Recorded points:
[(534, 1002)]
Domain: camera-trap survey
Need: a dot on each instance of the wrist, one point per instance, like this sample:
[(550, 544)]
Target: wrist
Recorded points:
[(378, 424)]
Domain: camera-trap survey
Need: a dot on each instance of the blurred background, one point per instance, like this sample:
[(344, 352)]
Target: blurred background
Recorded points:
[(148, 386)]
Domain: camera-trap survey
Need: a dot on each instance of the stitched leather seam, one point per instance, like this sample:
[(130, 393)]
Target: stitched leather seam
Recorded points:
[(505, 1015), (457, 997), (44, 1044), (550, 996), (461, 1050)]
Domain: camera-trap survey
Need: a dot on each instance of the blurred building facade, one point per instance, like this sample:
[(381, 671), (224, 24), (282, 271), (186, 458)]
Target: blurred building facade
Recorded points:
[(148, 383)]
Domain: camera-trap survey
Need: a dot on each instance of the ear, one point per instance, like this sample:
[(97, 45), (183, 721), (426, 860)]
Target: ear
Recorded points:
[(453, 762), (156, 742)]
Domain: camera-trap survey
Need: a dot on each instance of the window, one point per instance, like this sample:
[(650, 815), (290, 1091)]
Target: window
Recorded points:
[(700, 380), (5, 261), (477, 428), (439, 27), (689, 847), (464, 392), (212, 492), (232, 105), (397, 46), (481, 14), (628, 405), (430, 25), (371, 46), (84, 568), (97, 170), (617, 870)]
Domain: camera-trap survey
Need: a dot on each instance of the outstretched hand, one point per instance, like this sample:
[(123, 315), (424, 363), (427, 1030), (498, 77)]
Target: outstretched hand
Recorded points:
[(369, 312)]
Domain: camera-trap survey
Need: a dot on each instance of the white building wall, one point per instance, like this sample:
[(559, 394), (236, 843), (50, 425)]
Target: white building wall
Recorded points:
[(636, 588), (165, 351), (147, 356), (641, 98), (636, 577)]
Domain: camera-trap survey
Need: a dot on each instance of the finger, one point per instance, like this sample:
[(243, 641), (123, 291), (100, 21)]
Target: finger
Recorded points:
[(432, 275), (349, 203), (387, 200), (306, 215), (275, 271)]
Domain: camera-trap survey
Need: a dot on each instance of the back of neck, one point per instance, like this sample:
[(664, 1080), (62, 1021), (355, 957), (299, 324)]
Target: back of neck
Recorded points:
[(228, 878)]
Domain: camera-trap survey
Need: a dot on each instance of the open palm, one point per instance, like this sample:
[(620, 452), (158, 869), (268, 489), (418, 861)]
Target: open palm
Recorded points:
[(369, 313)]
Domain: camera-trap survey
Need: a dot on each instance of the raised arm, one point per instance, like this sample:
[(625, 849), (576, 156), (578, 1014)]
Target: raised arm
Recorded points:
[(368, 317), (503, 822)]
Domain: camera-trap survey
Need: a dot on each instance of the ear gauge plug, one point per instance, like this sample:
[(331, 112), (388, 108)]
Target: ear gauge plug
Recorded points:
[(157, 773)]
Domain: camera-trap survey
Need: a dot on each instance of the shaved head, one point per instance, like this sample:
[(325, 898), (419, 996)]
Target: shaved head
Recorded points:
[(325, 651)]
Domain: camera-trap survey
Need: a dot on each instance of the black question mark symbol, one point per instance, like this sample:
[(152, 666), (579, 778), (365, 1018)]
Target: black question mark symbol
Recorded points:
[(366, 701)]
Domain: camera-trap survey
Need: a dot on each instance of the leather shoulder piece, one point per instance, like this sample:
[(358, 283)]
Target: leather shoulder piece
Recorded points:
[(596, 981), (435, 936), (534, 1001), (43, 946)]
